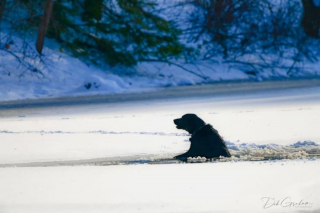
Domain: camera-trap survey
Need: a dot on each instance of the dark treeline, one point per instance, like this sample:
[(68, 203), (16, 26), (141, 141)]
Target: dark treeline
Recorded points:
[(125, 32)]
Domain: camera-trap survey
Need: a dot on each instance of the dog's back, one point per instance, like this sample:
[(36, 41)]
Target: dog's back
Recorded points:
[(208, 143)]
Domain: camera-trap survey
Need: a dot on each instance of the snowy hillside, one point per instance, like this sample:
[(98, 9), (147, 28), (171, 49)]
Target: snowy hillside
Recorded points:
[(63, 75)]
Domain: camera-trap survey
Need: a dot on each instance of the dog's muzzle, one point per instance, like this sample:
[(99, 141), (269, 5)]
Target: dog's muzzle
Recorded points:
[(177, 122)]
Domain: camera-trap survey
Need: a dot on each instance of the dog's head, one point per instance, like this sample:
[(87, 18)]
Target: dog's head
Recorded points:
[(189, 122)]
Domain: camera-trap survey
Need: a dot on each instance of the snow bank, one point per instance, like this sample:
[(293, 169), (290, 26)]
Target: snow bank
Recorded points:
[(306, 149), (55, 74)]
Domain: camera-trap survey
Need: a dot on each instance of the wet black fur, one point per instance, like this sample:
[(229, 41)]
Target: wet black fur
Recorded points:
[(205, 140)]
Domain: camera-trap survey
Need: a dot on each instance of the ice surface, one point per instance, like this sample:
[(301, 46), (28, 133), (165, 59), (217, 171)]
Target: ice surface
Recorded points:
[(214, 187)]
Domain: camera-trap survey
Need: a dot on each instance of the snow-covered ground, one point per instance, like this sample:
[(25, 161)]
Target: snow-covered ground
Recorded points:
[(65, 76), (257, 123)]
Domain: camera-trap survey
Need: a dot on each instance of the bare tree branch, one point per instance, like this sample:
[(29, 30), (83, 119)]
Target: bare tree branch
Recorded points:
[(177, 65)]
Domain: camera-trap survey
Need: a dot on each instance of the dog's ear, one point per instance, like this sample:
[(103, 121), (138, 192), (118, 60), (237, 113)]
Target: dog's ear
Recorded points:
[(193, 122)]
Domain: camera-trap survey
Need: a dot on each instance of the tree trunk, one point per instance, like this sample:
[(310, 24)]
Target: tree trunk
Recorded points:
[(2, 7), (311, 18), (44, 25)]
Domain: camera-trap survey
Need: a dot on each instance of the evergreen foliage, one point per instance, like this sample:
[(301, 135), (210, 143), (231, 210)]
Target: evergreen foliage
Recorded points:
[(115, 31)]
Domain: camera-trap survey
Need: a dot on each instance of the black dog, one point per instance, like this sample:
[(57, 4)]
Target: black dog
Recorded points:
[(205, 140)]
